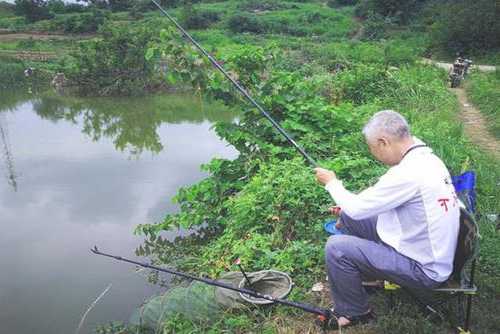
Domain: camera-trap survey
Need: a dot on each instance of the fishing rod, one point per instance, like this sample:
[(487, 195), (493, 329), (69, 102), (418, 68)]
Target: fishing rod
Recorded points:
[(237, 85), (324, 314)]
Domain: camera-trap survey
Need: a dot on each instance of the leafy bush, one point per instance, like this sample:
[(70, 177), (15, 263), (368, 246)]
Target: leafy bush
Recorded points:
[(364, 83), (196, 19), (246, 23), (115, 63)]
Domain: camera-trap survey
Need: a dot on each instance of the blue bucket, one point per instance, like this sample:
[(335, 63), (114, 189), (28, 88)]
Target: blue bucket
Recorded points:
[(330, 228)]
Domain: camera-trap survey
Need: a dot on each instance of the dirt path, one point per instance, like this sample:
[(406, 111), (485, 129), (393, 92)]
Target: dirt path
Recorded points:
[(475, 125)]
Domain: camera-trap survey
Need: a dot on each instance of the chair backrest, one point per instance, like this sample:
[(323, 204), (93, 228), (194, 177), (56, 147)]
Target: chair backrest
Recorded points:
[(465, 186), (467, 246)]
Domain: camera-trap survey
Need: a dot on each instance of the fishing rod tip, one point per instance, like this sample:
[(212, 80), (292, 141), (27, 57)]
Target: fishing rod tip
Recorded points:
[(94, 250)]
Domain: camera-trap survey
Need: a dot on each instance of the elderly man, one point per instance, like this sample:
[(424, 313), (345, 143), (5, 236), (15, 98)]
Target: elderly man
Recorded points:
[(403, 229)]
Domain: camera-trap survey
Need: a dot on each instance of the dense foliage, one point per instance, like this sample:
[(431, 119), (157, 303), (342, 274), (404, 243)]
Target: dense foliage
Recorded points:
[(115, 63), (466, 26)]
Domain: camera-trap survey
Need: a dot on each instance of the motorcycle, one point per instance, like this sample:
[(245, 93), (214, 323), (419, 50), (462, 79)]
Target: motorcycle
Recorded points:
[(457, 72)]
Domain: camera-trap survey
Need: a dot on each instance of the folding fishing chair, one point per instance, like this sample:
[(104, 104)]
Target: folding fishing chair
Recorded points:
[(460, 286)]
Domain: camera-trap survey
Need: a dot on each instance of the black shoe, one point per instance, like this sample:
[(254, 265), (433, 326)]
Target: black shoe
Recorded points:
[(332, 323)]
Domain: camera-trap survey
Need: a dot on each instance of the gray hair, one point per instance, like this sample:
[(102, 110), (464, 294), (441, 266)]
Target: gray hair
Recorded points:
[(389, 123)]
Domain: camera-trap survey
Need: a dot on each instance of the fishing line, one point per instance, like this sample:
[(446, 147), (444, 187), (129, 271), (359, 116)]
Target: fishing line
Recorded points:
[(237, 85)]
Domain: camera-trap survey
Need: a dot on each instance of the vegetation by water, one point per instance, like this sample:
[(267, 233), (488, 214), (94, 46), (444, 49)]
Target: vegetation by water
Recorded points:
[(321, 71)]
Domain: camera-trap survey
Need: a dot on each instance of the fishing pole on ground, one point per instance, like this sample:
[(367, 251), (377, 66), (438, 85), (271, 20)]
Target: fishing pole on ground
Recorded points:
[(324, 314), (237, 85)]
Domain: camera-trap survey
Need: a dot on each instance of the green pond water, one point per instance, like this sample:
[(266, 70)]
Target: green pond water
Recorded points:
[(81, 172)]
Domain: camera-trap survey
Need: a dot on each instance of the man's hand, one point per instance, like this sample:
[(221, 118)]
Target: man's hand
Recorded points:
[(324, 175), (334, 210)]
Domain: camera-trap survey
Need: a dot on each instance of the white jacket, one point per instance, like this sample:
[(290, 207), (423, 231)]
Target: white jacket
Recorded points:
[(417, 208)]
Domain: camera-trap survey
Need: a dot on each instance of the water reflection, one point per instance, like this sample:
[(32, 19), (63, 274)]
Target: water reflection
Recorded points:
[(78, 187)]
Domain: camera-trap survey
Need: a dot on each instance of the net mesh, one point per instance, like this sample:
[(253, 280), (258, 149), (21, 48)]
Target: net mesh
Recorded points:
[(203, 303)]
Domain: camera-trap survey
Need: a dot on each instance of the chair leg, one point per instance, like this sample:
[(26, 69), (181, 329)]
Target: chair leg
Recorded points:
[(391, 300), (469, 297), (468, 313)]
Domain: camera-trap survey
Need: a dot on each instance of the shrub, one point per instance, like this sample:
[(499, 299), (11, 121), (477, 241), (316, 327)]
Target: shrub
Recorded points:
[(115, 63), (364, 83), (195, 19), (245, 23)]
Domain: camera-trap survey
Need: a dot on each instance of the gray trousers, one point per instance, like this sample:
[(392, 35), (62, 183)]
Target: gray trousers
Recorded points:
[(360, 253)]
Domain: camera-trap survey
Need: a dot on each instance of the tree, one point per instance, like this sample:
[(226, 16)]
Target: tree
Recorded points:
[(33, 10), (467, 26), (114, 64)]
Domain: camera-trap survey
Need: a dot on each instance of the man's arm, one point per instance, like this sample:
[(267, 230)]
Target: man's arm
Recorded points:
[(392, 190)]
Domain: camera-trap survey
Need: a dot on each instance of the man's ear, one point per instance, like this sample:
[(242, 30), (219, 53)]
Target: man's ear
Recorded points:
[(382, 141)]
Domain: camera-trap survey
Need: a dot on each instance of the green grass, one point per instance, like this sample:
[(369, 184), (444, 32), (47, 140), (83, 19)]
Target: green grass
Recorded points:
[(14, 23), (484, 91), (32, 44), (296, 19)]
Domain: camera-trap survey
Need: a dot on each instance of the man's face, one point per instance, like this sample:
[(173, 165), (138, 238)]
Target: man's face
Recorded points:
[(383, 150)]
